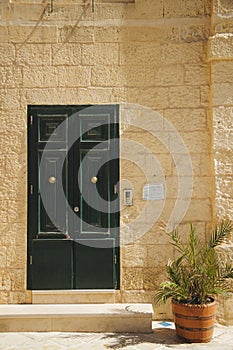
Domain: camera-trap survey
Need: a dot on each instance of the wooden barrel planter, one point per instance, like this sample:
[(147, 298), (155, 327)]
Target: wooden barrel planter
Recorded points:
[(194, 323)]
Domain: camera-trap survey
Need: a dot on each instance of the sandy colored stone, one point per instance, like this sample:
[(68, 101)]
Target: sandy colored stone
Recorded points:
[(150, 97), (5, 280), (3, 34), (33, 54), (148, 9), (14, 234), (94, 95), (196, 142), (185, 119), (197, 74), (76, 76), (152, 277), (7, 54), (11, 76), (32, 34), (158, 257), (131, 296), (222, 94), (132, 279), (15, 257), (40, 77), (43, 95), (184, 97), (66, 54), (178, 53), (18, 278), (220, 46), (222, 71), (134, 255), (153, 56), (189, 8), (100, 54), (199, 208), (77, 33), (169, 75)]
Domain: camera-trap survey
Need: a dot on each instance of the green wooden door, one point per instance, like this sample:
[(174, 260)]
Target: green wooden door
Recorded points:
[(73, 171)]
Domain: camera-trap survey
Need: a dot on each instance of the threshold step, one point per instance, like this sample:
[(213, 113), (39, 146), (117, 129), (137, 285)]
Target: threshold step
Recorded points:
[(74, 296), (133, 318)]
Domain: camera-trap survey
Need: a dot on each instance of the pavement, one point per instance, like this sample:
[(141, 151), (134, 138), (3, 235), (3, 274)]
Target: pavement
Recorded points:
[(163, 337)]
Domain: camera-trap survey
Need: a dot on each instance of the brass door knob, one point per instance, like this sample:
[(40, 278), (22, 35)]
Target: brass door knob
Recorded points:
[(76, 209), (94, 179), (52, 179)]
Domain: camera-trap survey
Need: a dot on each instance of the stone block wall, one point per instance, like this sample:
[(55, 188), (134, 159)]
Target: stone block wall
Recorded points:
[(221, 60), (151, 57)]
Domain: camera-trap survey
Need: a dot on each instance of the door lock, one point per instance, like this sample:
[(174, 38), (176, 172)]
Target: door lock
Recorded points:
[(76, 209)]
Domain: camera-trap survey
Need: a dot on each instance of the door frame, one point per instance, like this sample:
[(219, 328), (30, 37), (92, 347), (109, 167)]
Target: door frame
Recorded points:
[(33, 168)]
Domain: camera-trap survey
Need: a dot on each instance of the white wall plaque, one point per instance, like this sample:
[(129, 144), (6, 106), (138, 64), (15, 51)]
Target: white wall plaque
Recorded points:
[(153, 192)]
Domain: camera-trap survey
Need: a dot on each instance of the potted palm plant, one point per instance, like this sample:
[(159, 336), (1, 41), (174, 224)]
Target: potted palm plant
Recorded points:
[(195, 278)]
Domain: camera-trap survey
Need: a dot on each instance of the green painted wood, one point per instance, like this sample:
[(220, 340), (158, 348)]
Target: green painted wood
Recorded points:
[(52, 264), (91, 221)]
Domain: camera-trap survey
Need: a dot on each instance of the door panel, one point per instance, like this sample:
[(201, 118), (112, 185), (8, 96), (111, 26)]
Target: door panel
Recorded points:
[(99, 271), (53, 202), (52, 266), (73, 172), (94, 180)]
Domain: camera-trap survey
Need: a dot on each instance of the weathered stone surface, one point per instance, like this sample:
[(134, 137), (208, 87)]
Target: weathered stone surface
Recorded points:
[(66, 54), (152, 277), (7, 54), (184, 97), (223, 94), (77, 76), (5, 280), (33, 54), (220, 46), (132, 279), (222, 72), (3, 34), (201, 209), (169, 75), (32, 34), (147, 9), (40, 77), (76, 33), (158, 257), (187, 119), (134, 256), (188, 8), (153, 56), (100, 54), (157, 32), (94, 95), (11, 76), (43, 95), (197, 74)]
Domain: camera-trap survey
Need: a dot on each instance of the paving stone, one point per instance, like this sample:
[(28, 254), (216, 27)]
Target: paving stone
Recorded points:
[(162, 338)]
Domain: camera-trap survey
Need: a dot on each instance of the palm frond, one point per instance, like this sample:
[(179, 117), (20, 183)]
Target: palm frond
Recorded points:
[(176, 241), (220, 233), (198, 272), (169, 290)]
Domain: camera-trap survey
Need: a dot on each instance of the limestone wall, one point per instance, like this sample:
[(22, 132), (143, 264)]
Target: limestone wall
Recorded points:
[(152, 58), (221, 60)]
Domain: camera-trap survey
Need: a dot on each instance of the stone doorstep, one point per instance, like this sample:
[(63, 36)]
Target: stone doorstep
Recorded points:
[(132, 318), (93, 296)]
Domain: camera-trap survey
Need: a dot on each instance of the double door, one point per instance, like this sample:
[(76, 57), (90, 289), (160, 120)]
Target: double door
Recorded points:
[(73, 202)]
